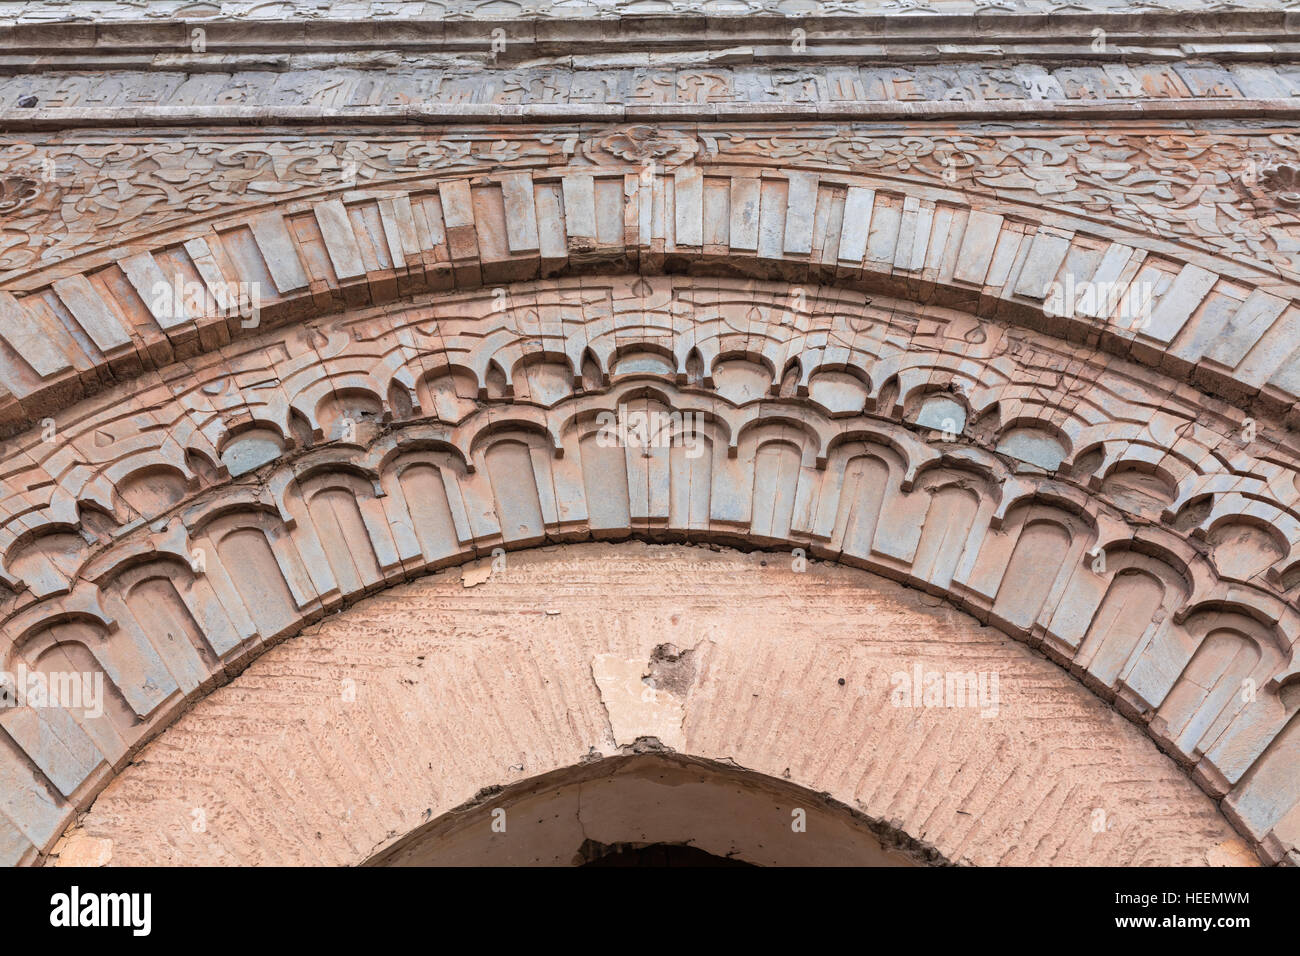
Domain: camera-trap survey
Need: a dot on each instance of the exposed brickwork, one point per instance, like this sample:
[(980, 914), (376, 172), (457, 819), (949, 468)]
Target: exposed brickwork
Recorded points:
[(286, 770)]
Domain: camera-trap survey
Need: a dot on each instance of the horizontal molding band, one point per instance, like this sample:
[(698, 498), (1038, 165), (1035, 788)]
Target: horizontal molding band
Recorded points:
[(19, 120)]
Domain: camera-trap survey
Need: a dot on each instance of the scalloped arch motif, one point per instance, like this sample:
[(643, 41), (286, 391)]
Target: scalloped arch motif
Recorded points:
[(1050, 375), (105, 315), (417, 465)]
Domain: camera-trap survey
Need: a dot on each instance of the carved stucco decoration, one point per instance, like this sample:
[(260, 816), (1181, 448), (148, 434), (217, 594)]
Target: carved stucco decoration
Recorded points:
[(1281, 183), (16, 192), (387, 250), (417, 80), (1188, 187), (233, 448), (642, 145), (45, 11)]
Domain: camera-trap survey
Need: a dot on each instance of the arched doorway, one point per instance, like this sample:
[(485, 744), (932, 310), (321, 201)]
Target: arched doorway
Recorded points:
[(653, 809)]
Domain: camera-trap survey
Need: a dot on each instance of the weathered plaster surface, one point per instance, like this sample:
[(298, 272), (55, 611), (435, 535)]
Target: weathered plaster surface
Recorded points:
[(552, 662), (884, 254)]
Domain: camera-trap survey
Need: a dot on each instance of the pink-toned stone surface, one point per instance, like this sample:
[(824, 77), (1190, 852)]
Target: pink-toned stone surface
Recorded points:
[(271, 484), (895, 295), (654, 798), (338, 742), (101, 320)]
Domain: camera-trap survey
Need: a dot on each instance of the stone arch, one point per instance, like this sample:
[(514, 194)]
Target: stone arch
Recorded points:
[(1230, 651), (1045, 545), (949, 520), (861, 473), (168, 592), (427, 484), (511, 466), (327, 521), (1144, 592), (102, 314), (231, 406), (656, 799), (667, 689), (250, 577), (341, 507)]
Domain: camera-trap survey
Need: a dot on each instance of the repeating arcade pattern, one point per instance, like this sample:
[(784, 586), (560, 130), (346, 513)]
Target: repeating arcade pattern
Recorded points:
[(448, 299), (1228, 332), (172, 529)]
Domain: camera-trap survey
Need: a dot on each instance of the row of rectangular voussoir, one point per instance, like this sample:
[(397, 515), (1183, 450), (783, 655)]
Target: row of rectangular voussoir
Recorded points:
[(803, 216), (55, 339), (862, 230), (1237, 340), (998, 259), (1241, 346), (140, 311), (48, 354), (31, 815), (510, 228), (899, 238), (141, 316), (417, 235)]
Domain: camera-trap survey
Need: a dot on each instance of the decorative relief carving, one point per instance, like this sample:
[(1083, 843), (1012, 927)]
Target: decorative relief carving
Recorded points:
[(458, 341), (107, 193), (16, 192), (812, 470), (169, 529), (1282, 182), (422, 82), (642, 144), (45, 11), (1189, 187)]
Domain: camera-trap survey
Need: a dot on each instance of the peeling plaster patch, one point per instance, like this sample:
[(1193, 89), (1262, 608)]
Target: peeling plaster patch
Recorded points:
[(81, 850), (472, 576), (636, 707), (1231, 853)]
